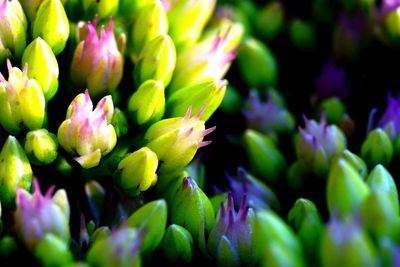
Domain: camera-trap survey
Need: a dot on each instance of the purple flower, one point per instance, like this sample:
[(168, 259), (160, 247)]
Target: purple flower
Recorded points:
[(332, 81), (390, 120)]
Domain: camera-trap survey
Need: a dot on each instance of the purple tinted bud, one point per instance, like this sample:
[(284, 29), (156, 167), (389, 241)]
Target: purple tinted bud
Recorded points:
[(259, 196), (332, 81), (390, 120), (234, 229)]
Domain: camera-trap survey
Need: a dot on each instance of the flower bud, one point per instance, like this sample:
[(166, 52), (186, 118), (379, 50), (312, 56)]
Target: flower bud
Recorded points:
[(121, 248), (207, 93), (22, 103), (187, 20), (86, 133), (192, 210), (38, 215), (207, 59), (130, 8), (270, 20), (147, 104), (268, 117), (151, 218), (318, 144), (98, 62), (302, 34), (31, 8), (13, 27), (151, 22), (120, 122), (178, 244), (41, 147), (257, 64), (43, 66), (176, 140), (277, 240), (380, 179), (377, 148), (53, 251), (266, 161), (334, 109), (15, 171), (345, 190), (51, 15), (103, 9), (137, 171), (346, 244), (356, 162), (232, 237), (156, 61)]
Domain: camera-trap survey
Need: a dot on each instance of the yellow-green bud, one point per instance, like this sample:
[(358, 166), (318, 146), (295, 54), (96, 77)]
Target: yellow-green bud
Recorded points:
[(31, 8), (138, 171), (41, 147), (15, 171), (208, 93), (103, 9), (157, 61), (13, 27), (51, 23), (43, 66), (22, 103), (377, 148), (178, 244), (53, 251), (150, 23), (147, 104)]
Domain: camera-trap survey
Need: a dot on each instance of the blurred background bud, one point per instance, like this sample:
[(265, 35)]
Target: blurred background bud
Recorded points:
[(51, 15), (37, 215), (15, 171), (157, 61), (207, 94), (41, 147), (86, 133), (176, 140), (43, 66), (147, 104), (265, 159), (152, 219), (178, 244), (137, 171), (53, 251), (22, 103), (13, 30), (270, 20), (302, 34), (97, 62)]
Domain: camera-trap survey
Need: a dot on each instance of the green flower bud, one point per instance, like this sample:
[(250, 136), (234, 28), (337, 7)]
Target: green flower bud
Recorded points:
[(151, 218), (130, 8), (266, 161), (121, 248), (211, 58), (31, 8), (120, 122), (192, 210), (147, 104), (22, 103), (8, 246), (334, 110), (41, 147), (346, 245), (302, 34), (380, 180), (274, 237), (176, 140), (208, 93), (377, 148), (86, 133), (13, 27), (51, 15), (103, 9), (15, 171), (157, 61), (151, 22), (43, 66), (346, 189), (355, 161), (178, 244), (187, 20), (137, 171), (379, 215), (257, 64), (270, 20), (53, 251)]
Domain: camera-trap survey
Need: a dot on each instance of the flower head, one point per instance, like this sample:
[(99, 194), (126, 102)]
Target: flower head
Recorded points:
[(98, 61), (87, 133), (37, 215)]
